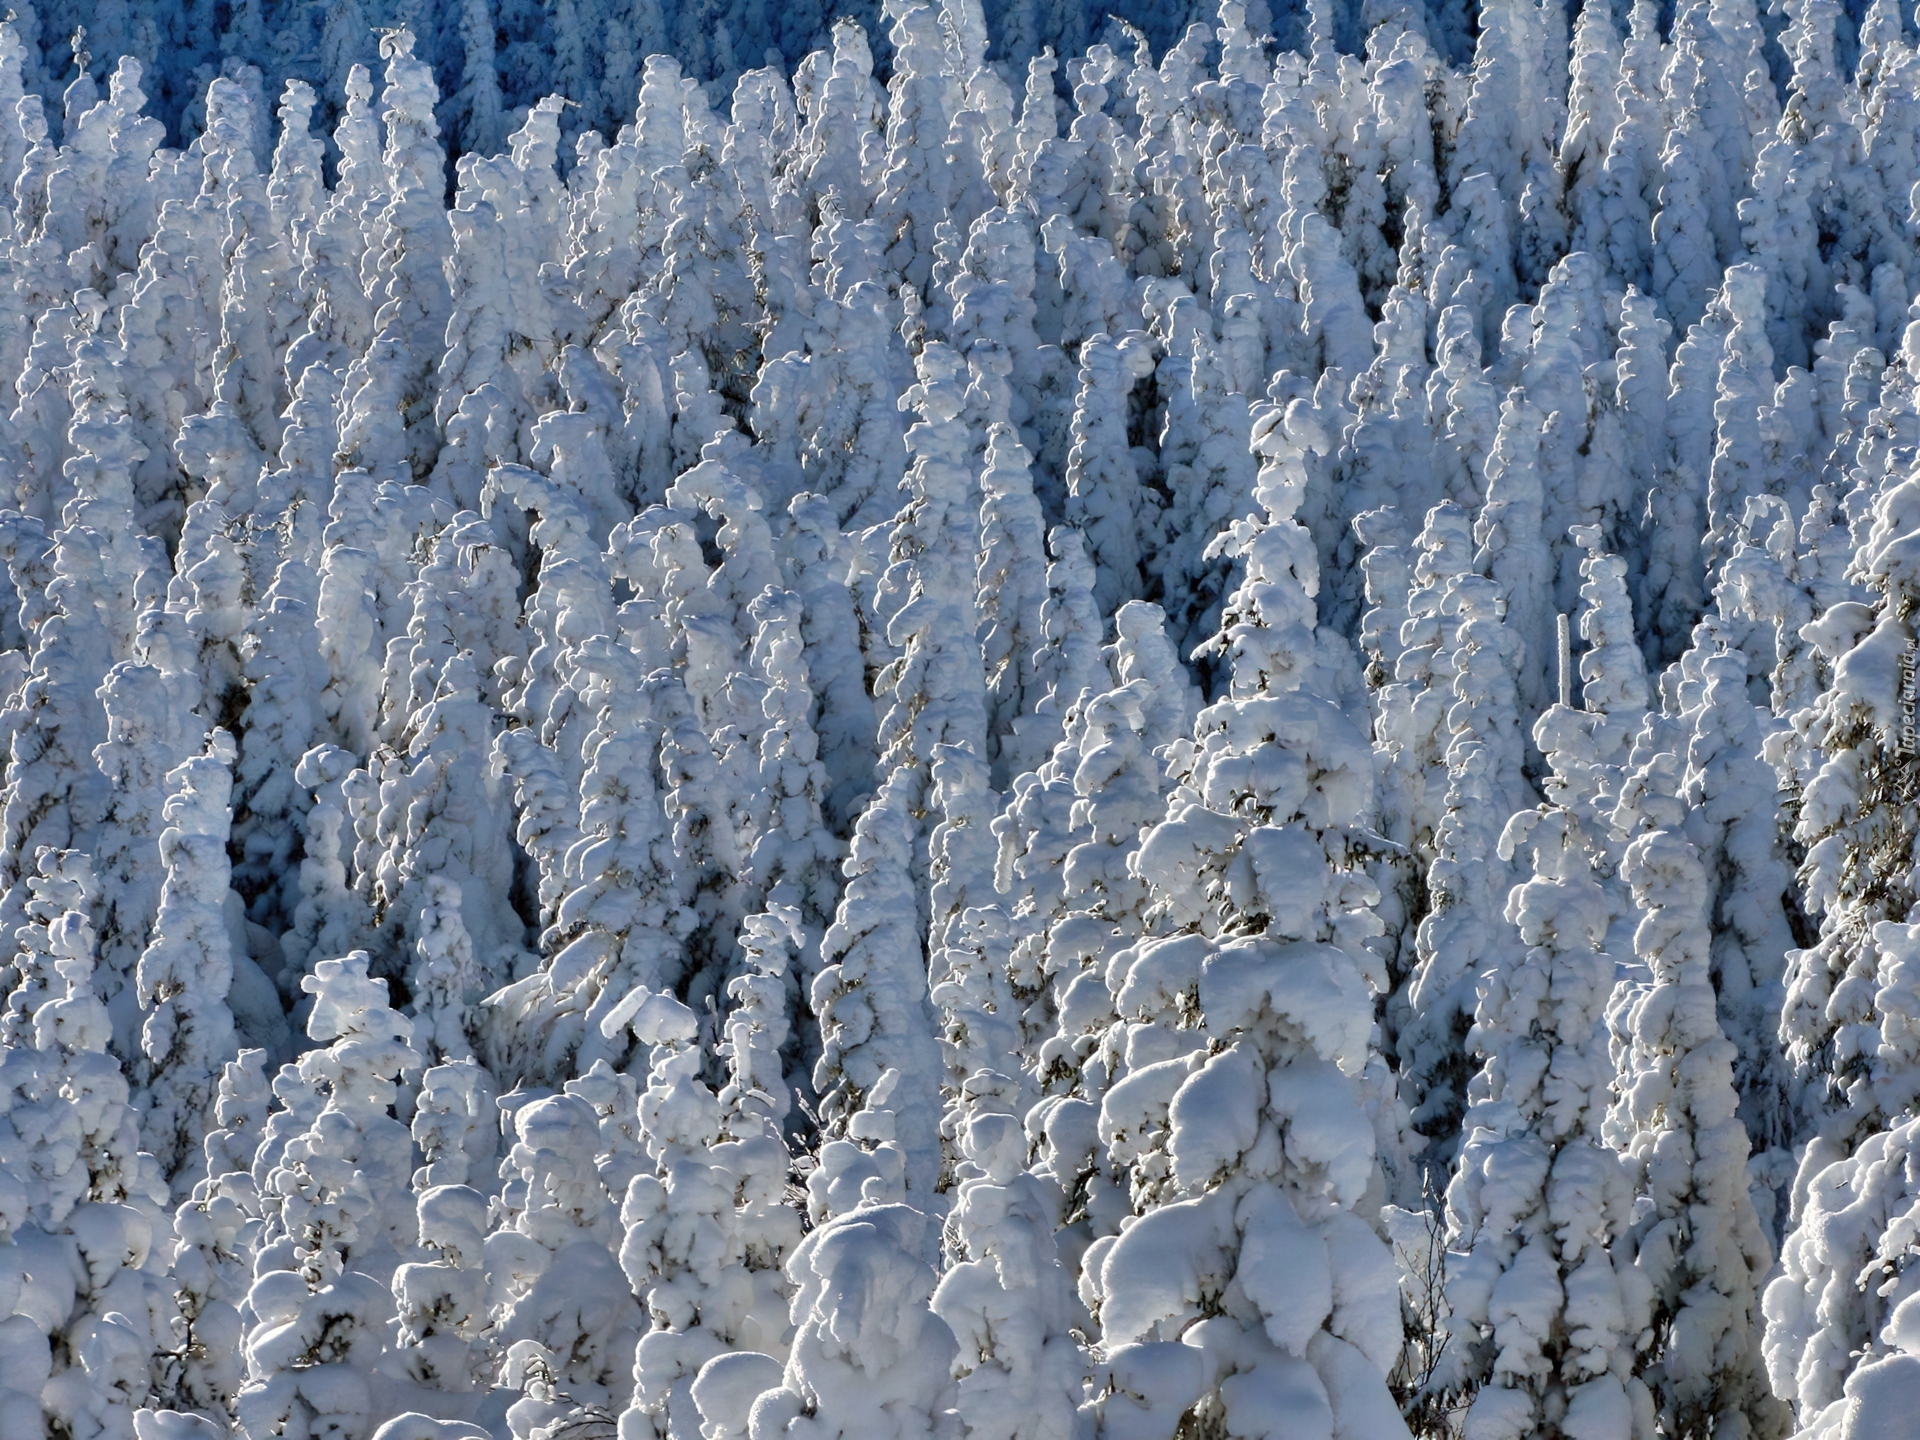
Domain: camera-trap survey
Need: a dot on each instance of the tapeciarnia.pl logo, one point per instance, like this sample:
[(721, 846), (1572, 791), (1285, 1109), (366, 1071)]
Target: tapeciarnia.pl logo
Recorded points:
[(1904, 741)]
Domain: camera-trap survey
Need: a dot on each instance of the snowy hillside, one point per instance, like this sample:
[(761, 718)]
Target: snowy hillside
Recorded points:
[(1208, 737)]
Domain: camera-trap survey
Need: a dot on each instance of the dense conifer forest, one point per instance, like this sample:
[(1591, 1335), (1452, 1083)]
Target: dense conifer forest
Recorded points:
[(770, 722)]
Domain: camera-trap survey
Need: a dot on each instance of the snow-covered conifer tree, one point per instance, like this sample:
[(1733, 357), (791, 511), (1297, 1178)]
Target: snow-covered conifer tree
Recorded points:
[(336, 1219), (556, 1283), (1242, 1142), (706, 1236), (1012, 589), (926, 597), (1545, 1308), (1461, 936), (386, 403), (284, 676), (1009, 1302), (187, 1027), (886, 1373), (871, 996), (1209, 473), (1114, 505), (914, 178), (87, 1209), (1064, 664), (1697, 1243), (619, 923), (214, 1235)]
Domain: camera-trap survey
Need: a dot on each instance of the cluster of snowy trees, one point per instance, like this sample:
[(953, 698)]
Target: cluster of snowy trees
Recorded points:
[(1215, 739), (493, 57)]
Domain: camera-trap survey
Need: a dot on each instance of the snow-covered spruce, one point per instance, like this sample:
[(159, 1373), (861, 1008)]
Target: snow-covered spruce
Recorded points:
[(1240, 1279)]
